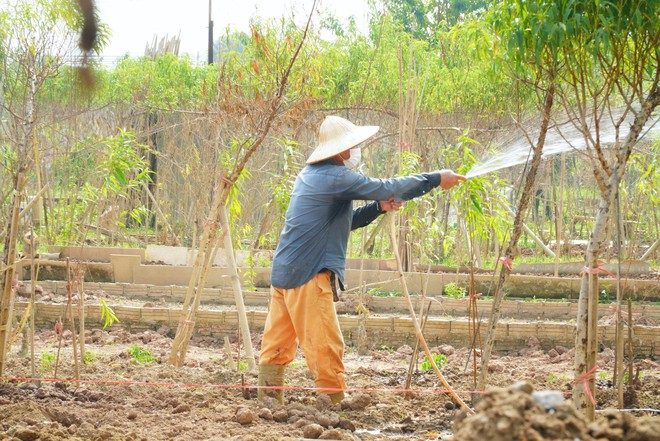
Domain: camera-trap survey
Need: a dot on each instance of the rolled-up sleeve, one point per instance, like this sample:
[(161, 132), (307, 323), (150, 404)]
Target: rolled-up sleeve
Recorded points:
[(364, 215)]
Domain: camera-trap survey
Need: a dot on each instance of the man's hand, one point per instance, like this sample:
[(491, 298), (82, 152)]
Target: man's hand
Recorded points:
[(448, 179), (390, 205)]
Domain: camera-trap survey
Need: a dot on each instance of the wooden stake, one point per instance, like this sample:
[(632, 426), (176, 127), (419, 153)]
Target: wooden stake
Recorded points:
[(559, 217), (418, 331), (415, 355), (618, 347), (72, 322), (79, 279), (238, 292), (228, 354), (9, 270)]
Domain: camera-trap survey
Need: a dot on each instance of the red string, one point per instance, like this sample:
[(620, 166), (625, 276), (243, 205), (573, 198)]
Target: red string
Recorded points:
[(471, 296), (623, 314), (596, 270), (584, 379), (230, 386), (506, 261), (58, 327)]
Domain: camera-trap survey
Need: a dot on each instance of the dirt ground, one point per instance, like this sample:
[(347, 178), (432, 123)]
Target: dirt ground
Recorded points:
[(122, 398)]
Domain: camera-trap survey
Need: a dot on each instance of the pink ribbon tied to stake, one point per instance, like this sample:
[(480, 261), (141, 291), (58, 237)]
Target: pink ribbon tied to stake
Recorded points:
[(506, 261), (598, 269), (470, 297), (584, 379)]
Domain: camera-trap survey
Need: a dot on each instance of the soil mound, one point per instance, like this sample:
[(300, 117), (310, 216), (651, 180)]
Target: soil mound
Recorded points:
[(519, 414)]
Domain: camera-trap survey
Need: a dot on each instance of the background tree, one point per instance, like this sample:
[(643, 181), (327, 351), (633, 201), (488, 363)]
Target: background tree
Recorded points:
[(36, 40), (611, 81)]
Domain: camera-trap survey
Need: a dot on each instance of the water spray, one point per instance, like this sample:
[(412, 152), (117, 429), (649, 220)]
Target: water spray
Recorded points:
[(561, 138)]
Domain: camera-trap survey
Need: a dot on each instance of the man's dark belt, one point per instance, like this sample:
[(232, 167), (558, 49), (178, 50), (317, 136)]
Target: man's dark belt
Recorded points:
[(333, 283)]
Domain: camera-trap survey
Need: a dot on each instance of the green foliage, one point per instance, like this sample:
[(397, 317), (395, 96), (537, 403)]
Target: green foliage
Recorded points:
[(295, 364), (380, 292), (249, 273), (454, 291), (122, 164), (89, 358), (108, 316), (140, 355), (439, 360), (480, 200), (604, 297), (101, 174), (169, 82), (644, 175), (47, 362), (426, 19)]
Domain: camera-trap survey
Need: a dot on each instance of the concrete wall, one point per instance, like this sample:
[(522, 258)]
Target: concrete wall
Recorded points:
[(95, 254), (127, 265)]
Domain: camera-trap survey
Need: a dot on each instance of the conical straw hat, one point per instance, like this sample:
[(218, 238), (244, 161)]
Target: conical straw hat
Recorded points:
[(337, 135)]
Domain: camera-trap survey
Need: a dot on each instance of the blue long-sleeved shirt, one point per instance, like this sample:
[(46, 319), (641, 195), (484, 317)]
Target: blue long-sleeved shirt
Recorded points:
[(320, 217)]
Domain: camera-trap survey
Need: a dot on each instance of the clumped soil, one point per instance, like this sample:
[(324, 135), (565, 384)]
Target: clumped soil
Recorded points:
[(121, 398)]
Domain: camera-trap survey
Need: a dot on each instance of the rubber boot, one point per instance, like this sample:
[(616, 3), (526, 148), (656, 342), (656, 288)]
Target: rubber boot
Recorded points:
[(271, 375), (337, 397)]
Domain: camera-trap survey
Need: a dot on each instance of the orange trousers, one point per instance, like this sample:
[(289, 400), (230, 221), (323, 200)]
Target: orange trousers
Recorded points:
[(306, 315)]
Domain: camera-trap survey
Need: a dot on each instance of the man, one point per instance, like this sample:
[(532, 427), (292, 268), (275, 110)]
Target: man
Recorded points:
[(311, 254)]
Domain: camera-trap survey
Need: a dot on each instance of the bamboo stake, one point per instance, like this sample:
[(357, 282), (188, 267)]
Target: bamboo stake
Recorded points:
[(546, 249), (72, 322), (651, 250), (630, 345), (420, 336), (362, 308), (79, 279), (33, 276), (160, 213), (473, 326), (7, 297), (415, 355), (618, 348), (59, 328), (228, 354), (238, 293), (193, 296), (559, 216), (30, 204)]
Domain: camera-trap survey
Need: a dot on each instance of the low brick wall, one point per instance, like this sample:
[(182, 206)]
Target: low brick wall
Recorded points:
[(388, 331)]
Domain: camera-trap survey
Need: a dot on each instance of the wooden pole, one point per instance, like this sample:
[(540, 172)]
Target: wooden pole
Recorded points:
[(560, 214), (72, 322), (415, 355), (7, 297), (238, 293), (79, 279), (411, 309), (210, 40)]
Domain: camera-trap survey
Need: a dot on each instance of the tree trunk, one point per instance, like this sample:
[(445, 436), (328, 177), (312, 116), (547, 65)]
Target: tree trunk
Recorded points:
[(515, 236), (221, 194), (586, 339)]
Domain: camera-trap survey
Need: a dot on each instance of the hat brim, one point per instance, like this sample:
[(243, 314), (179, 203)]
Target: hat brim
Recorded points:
[(336, 145)]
